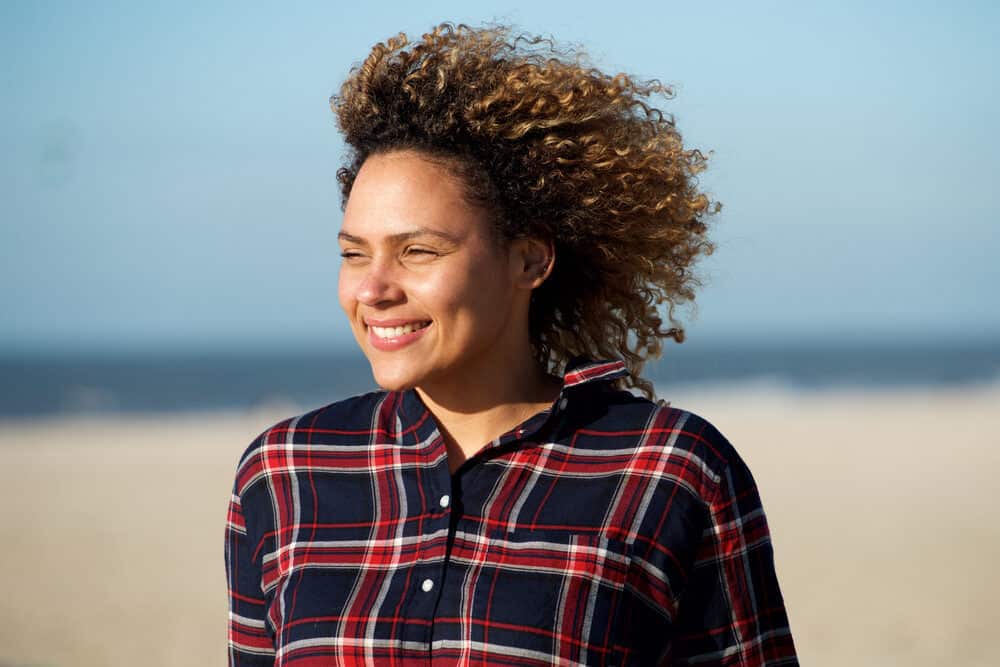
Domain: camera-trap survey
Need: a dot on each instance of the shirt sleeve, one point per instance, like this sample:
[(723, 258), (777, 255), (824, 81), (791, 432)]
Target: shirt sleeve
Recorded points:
[(250, 642), (732, 612)]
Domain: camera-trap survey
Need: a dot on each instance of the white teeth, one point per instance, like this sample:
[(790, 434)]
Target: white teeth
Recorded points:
[(396, 332)]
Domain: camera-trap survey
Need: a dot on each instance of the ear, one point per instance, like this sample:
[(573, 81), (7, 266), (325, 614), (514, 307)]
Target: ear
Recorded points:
[(531, 261)]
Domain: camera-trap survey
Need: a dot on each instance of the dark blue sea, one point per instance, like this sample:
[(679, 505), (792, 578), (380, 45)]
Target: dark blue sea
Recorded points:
[(160, 381)]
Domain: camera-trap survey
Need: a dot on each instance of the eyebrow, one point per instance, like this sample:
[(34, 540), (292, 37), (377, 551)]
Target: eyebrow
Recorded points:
[(403, 236)]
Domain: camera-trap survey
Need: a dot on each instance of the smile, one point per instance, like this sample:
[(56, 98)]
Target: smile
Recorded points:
[(390, 338), (388, 333)]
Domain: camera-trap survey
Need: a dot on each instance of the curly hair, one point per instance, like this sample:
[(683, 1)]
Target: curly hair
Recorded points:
[(555, 149)]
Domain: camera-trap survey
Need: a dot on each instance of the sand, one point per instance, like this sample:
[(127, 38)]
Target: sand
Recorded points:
[(882, 510)]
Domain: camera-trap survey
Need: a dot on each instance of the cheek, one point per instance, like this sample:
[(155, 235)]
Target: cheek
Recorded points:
[(475, 297)]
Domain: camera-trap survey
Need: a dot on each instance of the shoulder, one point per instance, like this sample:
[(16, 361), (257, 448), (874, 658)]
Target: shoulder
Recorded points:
[(681, 444), (343, 422)]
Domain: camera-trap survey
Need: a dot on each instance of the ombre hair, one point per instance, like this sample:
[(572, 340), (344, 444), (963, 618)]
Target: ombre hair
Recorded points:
[(554, 149)]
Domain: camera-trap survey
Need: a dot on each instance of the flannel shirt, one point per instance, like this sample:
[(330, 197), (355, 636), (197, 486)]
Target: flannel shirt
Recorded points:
[(604, 530)]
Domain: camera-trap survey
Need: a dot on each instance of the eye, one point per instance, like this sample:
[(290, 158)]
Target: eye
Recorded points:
[(350, 254), (420, 251)]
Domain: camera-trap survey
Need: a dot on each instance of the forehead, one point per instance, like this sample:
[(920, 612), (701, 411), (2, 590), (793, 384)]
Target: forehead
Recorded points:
[(396, 192)]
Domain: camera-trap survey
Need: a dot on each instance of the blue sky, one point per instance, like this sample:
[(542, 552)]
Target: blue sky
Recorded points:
[(167, 170)]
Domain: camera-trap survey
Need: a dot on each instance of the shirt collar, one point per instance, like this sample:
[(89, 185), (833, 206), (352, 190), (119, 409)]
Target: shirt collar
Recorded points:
[(416, 423), (581, 370)]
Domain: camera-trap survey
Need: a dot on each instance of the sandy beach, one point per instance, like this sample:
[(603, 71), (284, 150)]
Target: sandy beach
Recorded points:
[(883, 517)]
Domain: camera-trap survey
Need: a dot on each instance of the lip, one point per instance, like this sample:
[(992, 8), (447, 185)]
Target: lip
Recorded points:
[(397, 342)]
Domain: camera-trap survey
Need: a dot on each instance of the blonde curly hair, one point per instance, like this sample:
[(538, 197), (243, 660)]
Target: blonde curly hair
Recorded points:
[(553, 149)]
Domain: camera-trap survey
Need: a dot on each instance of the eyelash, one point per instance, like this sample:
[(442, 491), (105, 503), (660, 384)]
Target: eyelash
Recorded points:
[(350, 254), (420, 251)]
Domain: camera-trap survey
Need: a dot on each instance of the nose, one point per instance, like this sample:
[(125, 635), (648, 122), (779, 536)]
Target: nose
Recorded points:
[(378, 285)]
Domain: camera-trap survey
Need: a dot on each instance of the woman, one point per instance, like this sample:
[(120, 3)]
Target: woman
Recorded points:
[(513, 222)]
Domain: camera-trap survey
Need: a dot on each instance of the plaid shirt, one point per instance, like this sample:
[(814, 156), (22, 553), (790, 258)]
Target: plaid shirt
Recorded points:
[(605, 530)]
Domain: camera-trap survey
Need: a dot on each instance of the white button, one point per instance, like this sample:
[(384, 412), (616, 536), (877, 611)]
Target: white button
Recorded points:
[(562, 404), (427, 585), (444, 500)]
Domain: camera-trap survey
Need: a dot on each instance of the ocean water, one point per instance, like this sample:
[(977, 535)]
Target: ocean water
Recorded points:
[(161, 381)]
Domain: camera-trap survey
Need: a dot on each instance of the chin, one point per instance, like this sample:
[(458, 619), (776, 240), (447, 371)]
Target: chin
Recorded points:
[(392, 379)]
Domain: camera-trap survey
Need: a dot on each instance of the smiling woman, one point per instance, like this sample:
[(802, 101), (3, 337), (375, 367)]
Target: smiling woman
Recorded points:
[(434, 301), (514, 219)]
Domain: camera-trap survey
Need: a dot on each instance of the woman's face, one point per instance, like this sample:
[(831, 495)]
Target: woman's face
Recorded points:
[(430, 296)]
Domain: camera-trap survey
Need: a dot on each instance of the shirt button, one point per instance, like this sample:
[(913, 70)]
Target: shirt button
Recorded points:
[(444, 500), (427, 585), (562, 403)]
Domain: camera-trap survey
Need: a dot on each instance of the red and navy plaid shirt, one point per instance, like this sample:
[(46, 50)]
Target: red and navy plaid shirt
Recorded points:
[(606, 530)]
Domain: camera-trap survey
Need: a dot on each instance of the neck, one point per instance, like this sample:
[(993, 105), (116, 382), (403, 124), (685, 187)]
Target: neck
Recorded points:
[(491, 399)]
